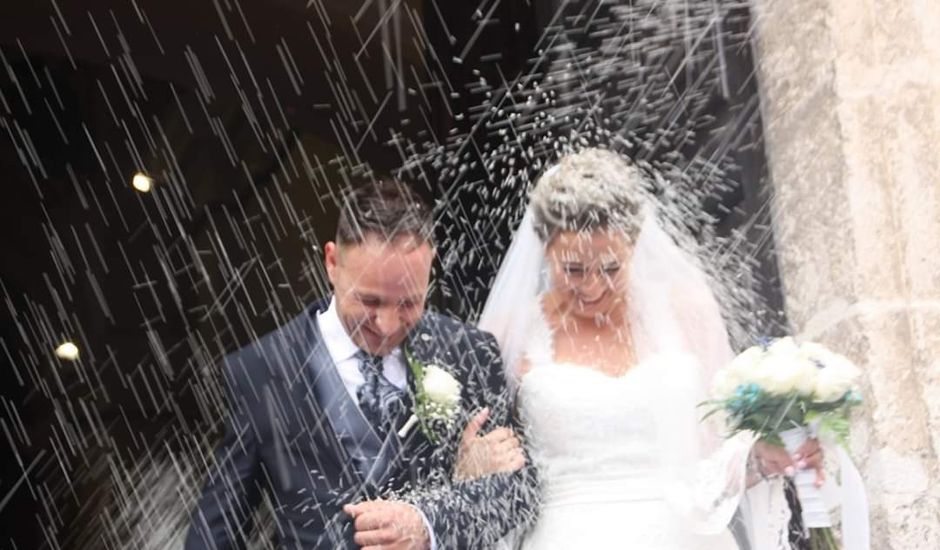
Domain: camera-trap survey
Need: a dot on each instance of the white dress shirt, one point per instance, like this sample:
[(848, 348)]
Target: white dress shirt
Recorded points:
[(343, 352)]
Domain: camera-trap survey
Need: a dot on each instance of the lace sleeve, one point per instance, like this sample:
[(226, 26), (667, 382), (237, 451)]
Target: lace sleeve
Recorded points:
[(708, 485), (706, 475)]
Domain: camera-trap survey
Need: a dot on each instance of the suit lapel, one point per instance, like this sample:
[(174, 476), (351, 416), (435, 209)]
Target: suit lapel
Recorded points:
[(414, 435), (305, 384)]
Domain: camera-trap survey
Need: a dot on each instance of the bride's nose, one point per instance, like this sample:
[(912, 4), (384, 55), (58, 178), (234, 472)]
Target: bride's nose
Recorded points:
[(593, 285)]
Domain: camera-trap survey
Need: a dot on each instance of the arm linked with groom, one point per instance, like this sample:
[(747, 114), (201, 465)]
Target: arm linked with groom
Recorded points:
[(317, 409)]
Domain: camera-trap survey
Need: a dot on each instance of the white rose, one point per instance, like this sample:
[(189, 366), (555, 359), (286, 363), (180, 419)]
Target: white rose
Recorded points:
[(440, 387), (808, 374), (816, 352), (724, 383), (838, 376), (784, 347), (784, 373), (823, 355), (744, 366), (738, 372)]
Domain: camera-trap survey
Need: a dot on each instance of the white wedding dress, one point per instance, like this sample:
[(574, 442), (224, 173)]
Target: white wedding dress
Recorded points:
[(629, 463), (599, 447)]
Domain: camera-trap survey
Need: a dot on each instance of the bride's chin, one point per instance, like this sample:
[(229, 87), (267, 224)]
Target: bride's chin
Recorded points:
[(599, 305), (586, 304), (592, 311), (605, 309)]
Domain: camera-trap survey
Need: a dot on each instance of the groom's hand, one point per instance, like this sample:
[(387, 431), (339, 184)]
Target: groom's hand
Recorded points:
[(388, 525), (496, 452)]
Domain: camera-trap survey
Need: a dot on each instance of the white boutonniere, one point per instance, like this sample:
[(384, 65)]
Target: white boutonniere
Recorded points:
[(437, 397)]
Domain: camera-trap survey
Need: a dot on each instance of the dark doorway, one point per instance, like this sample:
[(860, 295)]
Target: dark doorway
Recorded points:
[(251, 117)]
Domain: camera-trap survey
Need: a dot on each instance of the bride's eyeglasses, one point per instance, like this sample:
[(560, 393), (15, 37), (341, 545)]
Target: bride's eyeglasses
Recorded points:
[(576, 271)]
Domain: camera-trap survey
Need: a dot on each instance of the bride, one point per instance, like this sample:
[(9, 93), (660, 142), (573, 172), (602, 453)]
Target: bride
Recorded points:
[(610, 334)]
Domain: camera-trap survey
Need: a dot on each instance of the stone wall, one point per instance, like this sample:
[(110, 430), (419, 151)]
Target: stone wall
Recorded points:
[(850, 93)]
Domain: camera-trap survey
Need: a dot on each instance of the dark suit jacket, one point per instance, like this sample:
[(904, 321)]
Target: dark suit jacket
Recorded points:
[(278, 439)]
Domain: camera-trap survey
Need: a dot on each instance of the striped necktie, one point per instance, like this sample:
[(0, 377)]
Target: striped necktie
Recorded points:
[(381, 402)]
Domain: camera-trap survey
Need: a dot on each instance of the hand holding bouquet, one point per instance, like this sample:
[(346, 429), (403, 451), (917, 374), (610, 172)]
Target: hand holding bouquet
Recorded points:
[(783, 392)]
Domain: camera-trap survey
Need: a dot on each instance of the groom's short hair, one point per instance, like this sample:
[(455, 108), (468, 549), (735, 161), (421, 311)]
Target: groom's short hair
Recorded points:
[(387, 209)]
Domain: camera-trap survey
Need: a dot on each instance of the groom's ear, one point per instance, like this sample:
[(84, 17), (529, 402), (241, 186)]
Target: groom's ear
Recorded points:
[(331, 259)]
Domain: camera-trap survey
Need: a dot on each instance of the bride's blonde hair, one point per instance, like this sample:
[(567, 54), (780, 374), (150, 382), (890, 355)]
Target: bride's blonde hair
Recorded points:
[(588, 190)]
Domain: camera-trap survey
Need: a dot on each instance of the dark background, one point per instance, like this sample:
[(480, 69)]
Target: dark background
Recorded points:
[(253, 116)]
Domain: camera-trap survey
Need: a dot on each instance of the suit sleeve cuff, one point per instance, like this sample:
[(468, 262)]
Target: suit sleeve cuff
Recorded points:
[(427, 525)]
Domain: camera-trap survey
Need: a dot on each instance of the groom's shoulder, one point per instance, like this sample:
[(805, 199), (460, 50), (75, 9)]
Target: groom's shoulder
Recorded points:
[(446, 325), (260, 357)]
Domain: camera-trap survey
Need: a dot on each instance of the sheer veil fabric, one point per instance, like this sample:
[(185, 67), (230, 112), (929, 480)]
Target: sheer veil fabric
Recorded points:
[(672, 311)]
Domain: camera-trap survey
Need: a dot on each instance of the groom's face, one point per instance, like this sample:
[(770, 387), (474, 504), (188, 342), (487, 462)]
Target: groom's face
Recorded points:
[(380, 288)]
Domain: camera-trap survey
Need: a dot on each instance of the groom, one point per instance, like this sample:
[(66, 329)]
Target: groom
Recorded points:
[(317, 407)]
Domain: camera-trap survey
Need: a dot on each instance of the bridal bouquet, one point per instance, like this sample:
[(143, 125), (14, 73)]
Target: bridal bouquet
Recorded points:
[(784, 391)]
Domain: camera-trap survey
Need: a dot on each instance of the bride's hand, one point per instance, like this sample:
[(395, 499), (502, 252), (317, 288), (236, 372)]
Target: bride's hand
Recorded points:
[(773, 460), (481, 455)]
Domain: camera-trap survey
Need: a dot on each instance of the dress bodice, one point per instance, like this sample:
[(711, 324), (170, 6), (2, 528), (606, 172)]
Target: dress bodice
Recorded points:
[(591, 432), (606, 450)]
